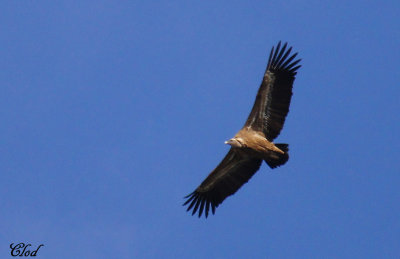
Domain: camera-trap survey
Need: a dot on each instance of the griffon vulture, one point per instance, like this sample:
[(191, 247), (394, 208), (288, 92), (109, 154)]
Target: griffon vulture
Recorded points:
[(253, 143)]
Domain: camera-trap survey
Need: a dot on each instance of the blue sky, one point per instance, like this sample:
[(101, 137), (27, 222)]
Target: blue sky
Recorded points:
[(112, 111)]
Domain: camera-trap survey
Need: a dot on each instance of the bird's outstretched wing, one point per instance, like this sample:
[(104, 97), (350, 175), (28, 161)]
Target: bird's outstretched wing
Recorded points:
[(233, 171), (273, 98)]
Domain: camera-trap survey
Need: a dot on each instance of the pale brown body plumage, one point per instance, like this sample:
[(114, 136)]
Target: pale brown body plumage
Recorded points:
[(253, 143)]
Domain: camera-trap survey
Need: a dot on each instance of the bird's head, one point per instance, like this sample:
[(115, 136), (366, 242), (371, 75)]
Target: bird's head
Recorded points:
[(235, 142)]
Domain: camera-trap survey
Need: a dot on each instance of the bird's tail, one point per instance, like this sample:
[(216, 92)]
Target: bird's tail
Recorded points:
[(278, 159)]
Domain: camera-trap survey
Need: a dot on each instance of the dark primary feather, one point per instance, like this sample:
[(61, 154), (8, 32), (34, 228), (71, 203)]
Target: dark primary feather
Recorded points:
[(273, 98), (233, 171)]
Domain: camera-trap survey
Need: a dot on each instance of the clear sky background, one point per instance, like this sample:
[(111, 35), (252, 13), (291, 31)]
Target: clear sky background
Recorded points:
[(112, 111)]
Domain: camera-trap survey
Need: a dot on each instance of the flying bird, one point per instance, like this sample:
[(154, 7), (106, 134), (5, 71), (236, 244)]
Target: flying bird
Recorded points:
[(253, 143)]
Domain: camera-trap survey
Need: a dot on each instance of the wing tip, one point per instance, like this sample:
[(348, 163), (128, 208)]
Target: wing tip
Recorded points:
[(280, 59), (200, 203)]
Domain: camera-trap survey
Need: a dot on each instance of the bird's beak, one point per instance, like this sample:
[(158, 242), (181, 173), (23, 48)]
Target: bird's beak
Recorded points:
[(227, 142)]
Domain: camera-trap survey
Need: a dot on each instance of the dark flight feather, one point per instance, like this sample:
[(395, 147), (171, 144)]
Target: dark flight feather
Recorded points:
[(273, 98), (234, 171)]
